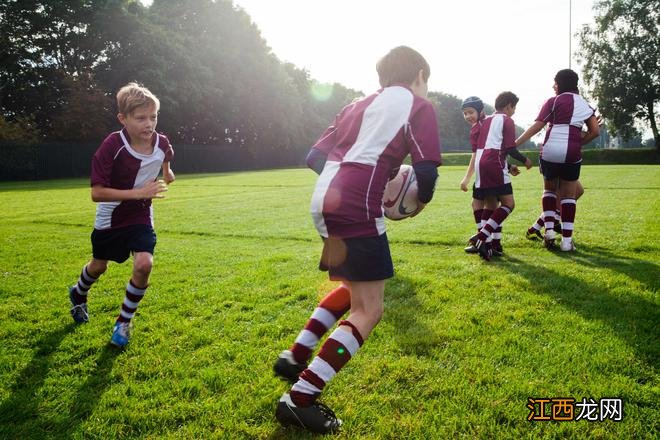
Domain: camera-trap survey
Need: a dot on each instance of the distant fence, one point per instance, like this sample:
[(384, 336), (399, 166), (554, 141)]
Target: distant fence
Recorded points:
[(55, 161), (623, 156), (62, 160)]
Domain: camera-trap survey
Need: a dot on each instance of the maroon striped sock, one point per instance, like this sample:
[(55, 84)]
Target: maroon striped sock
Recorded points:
[(549, 203), (568, 208), (336, 351), (538, 225), (83, 285), (494, 222), (477, 218), (331, 308), (133, 296)]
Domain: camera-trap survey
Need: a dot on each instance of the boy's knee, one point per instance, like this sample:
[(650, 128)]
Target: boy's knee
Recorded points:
[(143, 266), (96, 268)]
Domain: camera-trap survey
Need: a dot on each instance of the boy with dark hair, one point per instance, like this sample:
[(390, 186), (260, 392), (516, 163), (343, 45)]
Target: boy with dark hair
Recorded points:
[(473, 113), (355, 157), (561, 153), (492, 182), (124, 172)]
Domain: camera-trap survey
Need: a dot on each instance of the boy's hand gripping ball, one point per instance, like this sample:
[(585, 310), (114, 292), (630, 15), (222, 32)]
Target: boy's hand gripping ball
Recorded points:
[(400, 196)]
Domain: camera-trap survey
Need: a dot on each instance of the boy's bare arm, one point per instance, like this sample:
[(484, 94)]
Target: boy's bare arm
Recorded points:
[(531, 131), (151, 190), (168, 174), (468, 173), (593, 130)]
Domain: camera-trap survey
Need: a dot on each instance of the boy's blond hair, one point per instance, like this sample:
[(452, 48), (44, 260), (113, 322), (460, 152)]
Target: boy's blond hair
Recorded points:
[(134, 95)]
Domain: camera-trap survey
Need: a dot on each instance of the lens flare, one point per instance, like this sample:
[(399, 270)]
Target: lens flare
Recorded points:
[(321, 92)]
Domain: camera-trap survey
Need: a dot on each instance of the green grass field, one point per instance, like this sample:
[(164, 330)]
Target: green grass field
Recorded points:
[(461, 347)]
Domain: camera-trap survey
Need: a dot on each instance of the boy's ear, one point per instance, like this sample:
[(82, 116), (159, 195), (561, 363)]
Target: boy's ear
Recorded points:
[(420, 77), (121, 118)]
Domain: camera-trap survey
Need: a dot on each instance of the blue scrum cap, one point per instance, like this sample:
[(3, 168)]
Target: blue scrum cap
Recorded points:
[(473, 102)]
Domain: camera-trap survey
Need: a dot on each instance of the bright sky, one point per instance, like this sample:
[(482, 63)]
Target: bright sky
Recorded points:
[(478, 47)]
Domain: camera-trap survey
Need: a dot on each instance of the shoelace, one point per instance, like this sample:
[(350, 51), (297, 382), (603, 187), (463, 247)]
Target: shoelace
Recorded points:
[(123, 329), (79, 309), (327, 412)]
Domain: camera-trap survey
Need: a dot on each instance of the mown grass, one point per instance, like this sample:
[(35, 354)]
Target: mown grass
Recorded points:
[(461, 346)]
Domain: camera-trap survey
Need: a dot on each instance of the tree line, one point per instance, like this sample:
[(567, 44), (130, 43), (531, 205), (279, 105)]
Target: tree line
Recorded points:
[(218, 81)]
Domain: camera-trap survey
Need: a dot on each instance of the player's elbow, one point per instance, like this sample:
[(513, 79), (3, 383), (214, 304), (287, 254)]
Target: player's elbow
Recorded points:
[(96, 195)]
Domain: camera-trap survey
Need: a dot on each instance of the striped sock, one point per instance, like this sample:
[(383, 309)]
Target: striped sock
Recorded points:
[(485, 215), (549, 203), (568, 208), (336, 351), (477, 218), (538, 225), (331, 308), (133, 296), (82, 286), (494, 222), (497, 238)]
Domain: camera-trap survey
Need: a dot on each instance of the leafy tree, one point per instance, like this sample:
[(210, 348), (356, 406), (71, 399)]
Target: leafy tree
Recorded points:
[(454, 131), (20, 131), (621, 56), (86, 111), (49, 49)]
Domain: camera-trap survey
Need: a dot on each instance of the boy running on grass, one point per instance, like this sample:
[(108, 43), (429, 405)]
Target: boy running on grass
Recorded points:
[(355, 157), (124, 172)]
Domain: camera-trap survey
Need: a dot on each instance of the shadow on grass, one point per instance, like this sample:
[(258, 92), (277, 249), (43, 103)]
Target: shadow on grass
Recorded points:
[(402, 310), (646, 272), (89, 393), (632, 318), (292, 433), (20, 412)]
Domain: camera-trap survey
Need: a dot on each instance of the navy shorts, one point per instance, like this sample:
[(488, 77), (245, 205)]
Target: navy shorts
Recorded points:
[(564, 171), (117, 244), (496, 191), (357, 259)]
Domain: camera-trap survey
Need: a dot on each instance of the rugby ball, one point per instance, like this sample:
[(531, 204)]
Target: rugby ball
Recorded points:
[(400, 196)]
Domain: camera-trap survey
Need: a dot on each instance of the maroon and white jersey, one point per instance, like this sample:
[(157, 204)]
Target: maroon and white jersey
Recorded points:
[(116, 165), (497, 134), (369, 139), (474, 135), (566, 114)]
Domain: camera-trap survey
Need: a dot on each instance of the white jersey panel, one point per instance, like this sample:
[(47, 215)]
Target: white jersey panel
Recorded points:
[(381, 121), (556, 148), (477, 174), (318, 196), (496, 129), (150, 163), (104, 214), (581, 111)]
